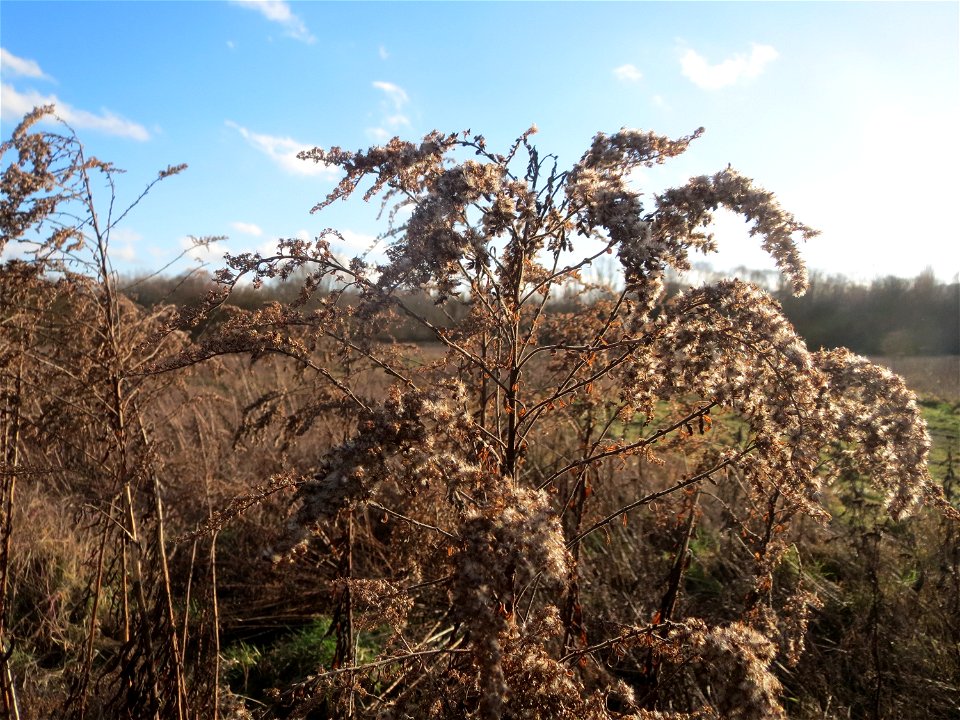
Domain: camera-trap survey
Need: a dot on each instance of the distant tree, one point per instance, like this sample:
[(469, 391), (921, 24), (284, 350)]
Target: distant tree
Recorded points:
[(495, 522), (890, 316)]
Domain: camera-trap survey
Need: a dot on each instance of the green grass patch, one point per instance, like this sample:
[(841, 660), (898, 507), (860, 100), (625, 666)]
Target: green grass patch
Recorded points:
[(943, 424), (253, 668)]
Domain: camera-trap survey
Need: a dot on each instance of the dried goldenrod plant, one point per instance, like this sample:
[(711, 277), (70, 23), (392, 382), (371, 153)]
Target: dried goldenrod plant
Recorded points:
[(487, 520), (83, 569), (512, 518)]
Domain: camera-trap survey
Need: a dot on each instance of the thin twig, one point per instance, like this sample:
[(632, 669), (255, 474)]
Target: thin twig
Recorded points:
[(659, 494)]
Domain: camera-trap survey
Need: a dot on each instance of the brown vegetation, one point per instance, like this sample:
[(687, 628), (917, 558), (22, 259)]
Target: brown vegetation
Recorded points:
[(645, 507)]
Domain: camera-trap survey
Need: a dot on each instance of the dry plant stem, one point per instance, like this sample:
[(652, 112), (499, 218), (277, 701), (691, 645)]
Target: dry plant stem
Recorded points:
[(214, 529), (82, 687), (686, 482), (109, 332), (186, 604), (871, 543), (427, 673), (573, 628), (140, 596), (346, 651), (11, 706), (415, 523), (669, 602), (182, 701), (111, 323), (567, 387), (624, 637), (216, 625), (238, 505), (11, 462), (306, 362), (124, 580), (587, 463), (625, 449), (389, 661), (369, 355)]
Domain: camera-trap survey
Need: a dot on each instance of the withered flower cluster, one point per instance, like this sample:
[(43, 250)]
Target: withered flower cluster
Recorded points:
[(494, 517)]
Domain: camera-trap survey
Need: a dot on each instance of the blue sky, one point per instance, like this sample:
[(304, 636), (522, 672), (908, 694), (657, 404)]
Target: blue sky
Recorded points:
[(848, 111)]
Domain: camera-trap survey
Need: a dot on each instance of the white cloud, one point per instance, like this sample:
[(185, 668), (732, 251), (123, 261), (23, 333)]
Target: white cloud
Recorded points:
[(396, 99), (659, 102), (268, 248), (283, 151), (397, 119), (861, 236), (14, 105), (17, 66), (279, 12), (124, 252), (628, 73), (383, 53), (14, 251), (247, 228), (378, 134), (356, 241), (728, 72), (397, 95), (122, 243)]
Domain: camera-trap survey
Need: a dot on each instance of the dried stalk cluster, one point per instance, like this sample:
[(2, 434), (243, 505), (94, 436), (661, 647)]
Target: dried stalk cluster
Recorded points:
[(469, 507)]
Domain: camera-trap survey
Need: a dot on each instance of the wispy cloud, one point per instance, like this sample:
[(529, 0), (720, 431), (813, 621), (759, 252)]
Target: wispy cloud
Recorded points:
[(383, 52), (247, 228), (378, 134), (392, 116), (10, 64), (628, 73), (728, 72), (268, 247), (123, 242), (283, 151), (355, 241), (279, 12), (396, 94), (15, 104)]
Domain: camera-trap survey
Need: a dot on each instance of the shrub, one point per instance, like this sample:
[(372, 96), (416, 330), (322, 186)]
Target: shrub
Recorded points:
[(504, 467)]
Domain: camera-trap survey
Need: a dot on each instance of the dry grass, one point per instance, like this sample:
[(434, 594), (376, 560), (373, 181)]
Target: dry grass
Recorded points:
[(936, 376)]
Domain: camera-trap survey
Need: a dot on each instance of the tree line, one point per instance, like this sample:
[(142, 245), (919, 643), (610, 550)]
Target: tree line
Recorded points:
[(891, 315)]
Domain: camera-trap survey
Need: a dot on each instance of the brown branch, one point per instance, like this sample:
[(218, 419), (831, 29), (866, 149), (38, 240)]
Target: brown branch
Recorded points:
[(659, 494), (410, 520), (387, 661), (621, 449), (623, 637)]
